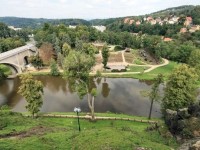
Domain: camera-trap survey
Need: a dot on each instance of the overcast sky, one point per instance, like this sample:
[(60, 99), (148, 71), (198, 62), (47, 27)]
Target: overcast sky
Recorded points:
[(85, 9)]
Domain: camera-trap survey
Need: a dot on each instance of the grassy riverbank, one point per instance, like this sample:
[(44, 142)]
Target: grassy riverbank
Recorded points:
[(165, 70), (19, 132)]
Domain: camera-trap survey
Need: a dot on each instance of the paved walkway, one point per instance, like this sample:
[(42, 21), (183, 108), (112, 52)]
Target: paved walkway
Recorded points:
[(96, 118), (152, 67)]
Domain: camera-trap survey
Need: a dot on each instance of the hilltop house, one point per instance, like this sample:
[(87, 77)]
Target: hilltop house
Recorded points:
[(13, 28), (194, 28), (149, 19), (183, 30), (188, 21), (138, 22), (126, 20), (100, 28), (167, 39), (175, 19), (131, 21)]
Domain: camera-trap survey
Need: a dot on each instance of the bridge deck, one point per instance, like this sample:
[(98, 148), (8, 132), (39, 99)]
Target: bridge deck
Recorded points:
[(16, 51)]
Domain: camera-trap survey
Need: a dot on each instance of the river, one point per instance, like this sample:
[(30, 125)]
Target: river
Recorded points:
[(117, 95)]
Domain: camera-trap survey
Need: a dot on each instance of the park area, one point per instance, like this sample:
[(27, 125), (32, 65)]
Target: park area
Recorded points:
[(46, 133)]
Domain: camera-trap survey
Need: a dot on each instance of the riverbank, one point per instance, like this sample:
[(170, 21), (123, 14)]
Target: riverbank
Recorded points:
[(20, 132), (148, 75)]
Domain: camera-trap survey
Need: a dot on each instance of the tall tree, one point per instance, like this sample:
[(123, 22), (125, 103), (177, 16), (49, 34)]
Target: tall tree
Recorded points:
[(194, 60), (36, 61), (32, 91), (180, 89), (54, 68), (66, 49), (77, 66), (57, 46), (105, 55)]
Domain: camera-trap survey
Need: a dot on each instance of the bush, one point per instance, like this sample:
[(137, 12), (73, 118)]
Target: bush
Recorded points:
[(116, 70), (118, 48)]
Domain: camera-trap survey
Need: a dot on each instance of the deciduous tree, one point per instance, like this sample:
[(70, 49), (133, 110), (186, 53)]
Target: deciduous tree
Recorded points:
[(105, 55), (77, 66), (32, 91), (180, 89), (54, 68)]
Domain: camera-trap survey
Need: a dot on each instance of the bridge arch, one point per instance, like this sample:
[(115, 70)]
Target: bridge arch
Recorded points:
[(14, 68), (26, 62)]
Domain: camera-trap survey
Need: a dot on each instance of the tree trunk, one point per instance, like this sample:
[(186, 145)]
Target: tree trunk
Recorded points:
[(33, 115), (92, 109), (89, 102), (150, 109)]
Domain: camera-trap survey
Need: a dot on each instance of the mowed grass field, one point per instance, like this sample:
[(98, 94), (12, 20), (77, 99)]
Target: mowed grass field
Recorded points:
[(21, 133), (165, 70)]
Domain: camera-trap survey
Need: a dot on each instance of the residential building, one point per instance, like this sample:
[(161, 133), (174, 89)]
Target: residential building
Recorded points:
[(188, 21), (183, 30)]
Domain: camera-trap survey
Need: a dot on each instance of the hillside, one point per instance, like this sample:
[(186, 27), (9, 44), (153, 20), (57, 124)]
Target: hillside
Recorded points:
[(186, 10), (174, 10), (34, 23)]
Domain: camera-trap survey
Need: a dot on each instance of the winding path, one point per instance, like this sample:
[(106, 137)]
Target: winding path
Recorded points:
[(152, 67)]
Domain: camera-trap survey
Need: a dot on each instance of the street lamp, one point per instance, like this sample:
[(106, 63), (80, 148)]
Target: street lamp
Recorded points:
[(78, 110)]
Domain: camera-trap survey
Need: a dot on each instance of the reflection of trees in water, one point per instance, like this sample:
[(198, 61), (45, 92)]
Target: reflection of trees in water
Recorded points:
[(55, 84), (4, 87), (9, 90), (98, 81), (105, 90), (147, 82)]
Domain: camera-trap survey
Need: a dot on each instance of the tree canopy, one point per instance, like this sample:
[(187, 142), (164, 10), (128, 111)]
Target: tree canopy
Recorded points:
[(180, 89)]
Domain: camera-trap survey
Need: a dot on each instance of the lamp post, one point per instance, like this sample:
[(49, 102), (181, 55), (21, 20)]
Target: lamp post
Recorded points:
[(78, 110)]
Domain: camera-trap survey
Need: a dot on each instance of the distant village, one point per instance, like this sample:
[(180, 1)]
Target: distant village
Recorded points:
[(188, 25)]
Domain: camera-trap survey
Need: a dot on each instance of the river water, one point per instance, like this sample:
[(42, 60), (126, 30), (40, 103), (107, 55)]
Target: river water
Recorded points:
[(117, 95)]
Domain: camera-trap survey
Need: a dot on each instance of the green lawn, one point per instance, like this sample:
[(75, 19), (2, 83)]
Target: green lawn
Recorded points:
[(19, 132), (165, 70), (136, 68)]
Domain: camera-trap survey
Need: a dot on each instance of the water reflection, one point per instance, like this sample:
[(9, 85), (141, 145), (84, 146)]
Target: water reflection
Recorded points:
[(117, 95)]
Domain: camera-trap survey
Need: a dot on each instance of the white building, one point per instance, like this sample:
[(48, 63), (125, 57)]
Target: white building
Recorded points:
[(100, 28), (73, 27), (13, 28)]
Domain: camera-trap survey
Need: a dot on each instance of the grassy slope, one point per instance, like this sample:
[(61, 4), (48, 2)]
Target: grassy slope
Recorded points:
[(165, 70), (61, 133)]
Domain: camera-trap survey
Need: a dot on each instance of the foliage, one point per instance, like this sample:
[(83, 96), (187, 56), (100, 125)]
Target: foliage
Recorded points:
[(36, 23), (194, 60), (77, 66), (10, 43), (54, 68), (2, 74), (32, 91), (46, 53), (57, 46), (36, 61), (10, 39), (105, 55), (66, 49), (180, 89), (5, 70)]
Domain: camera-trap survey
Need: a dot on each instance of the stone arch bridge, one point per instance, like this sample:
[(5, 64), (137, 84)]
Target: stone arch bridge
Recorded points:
[(18, 58)]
